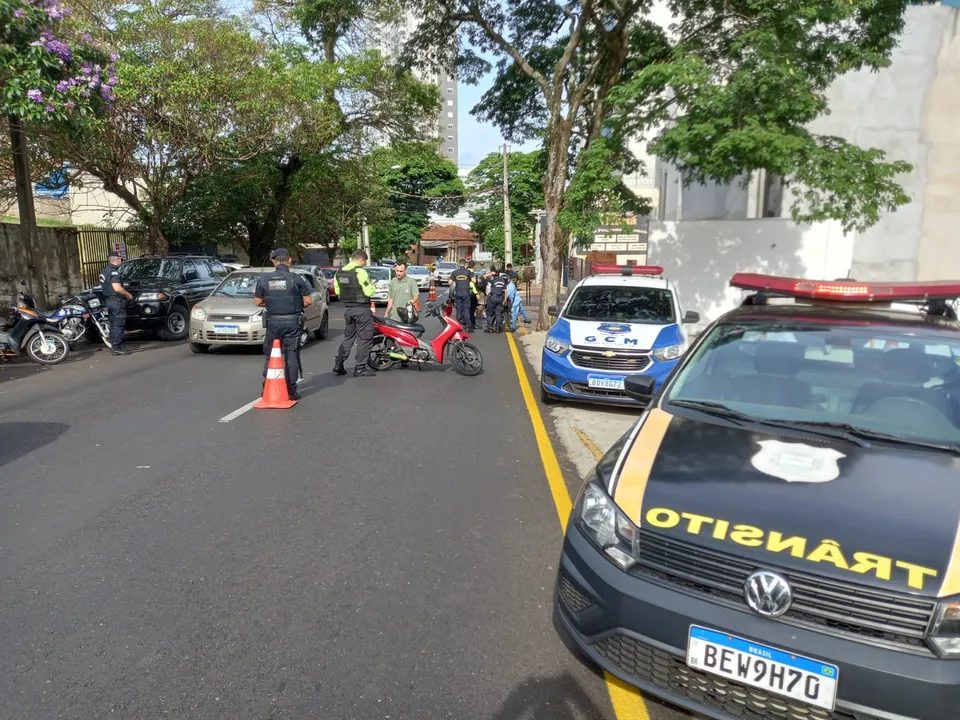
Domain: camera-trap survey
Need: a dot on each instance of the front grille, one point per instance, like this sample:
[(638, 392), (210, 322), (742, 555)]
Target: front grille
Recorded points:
[(584, 389), (830, 606), (228, 318), (571, 596), (671, 673), (621, 361), (222, 337)]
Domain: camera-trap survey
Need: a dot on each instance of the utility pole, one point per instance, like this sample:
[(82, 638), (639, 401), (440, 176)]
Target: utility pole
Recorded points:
[(507, 227), (365, 238), (28, 214)]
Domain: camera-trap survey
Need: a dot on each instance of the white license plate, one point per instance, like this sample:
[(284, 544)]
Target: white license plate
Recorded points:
[(606, 383), (226, 329), (766, 668)]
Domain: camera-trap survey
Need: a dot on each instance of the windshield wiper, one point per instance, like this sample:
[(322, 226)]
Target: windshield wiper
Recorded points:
[(716, 409), (863, 436)]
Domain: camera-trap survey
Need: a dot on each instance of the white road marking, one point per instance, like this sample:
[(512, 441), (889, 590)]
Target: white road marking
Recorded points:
[(239, 411)]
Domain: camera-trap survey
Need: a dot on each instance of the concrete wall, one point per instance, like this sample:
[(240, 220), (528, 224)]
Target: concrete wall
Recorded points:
[(702, 256), (57, 255)]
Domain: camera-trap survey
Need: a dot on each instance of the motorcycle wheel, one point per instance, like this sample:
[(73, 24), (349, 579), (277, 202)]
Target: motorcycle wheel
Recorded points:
[(467, 359), (53, 352), (379, 360)]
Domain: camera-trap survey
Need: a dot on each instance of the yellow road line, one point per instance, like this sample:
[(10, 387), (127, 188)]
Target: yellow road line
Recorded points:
[(627, 703), (589, 444)]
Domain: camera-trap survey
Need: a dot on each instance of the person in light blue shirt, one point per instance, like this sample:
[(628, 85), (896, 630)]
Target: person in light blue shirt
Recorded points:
[(516, 305)]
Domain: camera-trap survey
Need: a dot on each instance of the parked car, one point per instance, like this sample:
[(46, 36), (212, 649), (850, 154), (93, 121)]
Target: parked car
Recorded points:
[(421, 274), (443, 272), (380, 277), (229, 317), (328, 274), (165, 287), (231, 266)]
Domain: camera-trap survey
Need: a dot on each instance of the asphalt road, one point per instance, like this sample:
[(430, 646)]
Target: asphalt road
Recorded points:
[(386, 549)]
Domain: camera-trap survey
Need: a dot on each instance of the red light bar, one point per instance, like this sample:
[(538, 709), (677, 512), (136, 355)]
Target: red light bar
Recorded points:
[(848, 290), (610, 269)]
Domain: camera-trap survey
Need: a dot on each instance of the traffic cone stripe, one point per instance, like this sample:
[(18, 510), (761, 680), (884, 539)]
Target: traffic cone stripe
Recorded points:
[(275, 394), (276, 374), (275, 351)]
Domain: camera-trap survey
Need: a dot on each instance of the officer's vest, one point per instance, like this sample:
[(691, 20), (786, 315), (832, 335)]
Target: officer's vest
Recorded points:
[(461, 281), (498, 288), (351, 294), (281, 295), (106, 287)]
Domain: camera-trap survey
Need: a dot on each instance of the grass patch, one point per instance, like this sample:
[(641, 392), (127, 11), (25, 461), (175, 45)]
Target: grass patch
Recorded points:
[(13, 219)]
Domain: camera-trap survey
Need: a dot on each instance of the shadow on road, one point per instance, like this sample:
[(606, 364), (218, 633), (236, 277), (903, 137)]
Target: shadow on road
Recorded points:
[(22, 438), (556, 698)]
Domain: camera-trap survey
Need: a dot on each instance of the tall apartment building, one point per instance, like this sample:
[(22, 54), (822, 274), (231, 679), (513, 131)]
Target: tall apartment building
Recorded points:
[(389, 40)]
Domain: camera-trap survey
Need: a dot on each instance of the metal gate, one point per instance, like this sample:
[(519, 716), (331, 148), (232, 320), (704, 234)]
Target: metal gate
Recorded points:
[(96, 243)]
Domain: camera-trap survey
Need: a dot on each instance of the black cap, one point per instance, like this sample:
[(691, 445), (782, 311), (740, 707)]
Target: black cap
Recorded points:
[(279, 254), (113, 254)]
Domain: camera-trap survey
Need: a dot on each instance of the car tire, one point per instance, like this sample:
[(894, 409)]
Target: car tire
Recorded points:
[(199, 348), (545, 397), (176, 324), (321, 332)]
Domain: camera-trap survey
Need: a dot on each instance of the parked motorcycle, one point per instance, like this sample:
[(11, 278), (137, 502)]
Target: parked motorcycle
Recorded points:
[(397, 342), (80, 316), (30, 332)]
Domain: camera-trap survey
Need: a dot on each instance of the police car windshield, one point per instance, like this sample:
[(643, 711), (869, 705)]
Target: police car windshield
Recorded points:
[(895, 380), (148, 268), (238, 285), (621, 304)]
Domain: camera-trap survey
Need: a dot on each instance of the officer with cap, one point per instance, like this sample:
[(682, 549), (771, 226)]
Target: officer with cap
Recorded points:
[(461, 280), (116, 297), (284, 294), (498, 291), (352, 284)]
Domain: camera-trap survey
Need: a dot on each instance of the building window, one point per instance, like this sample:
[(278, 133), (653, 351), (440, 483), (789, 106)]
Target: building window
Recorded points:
[(449, 103), (449, 126), (449, 114), (449, 91), (450, 139)]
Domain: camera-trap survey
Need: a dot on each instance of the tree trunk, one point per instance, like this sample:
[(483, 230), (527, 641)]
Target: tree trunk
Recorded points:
[(264, 235), (156, 240), (259, 245), (553, 247)]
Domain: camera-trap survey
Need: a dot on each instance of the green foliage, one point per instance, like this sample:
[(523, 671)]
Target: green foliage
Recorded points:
[(419, 182), (526, 195)]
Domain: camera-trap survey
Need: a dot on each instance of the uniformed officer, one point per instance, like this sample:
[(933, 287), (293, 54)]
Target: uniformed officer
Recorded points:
[(284, 294), (498, 290), (461, 280), (511, 273), (352, 284), (116, 298)]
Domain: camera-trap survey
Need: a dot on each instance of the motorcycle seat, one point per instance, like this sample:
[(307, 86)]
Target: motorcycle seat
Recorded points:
[(417, 329)]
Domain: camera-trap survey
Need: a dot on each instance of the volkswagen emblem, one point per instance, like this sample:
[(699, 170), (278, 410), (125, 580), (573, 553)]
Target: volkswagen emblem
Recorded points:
[(768, 593)]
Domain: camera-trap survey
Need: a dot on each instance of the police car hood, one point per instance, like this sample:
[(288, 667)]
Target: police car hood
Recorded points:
[(639, 336), (877, 516)]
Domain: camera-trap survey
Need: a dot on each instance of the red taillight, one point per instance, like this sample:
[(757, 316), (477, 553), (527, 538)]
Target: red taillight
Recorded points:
[(610, 269), (851, 291)]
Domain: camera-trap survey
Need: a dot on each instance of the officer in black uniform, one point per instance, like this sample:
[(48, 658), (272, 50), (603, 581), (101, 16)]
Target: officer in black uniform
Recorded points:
[(116, 298), (474, 300), (461, 280), (284, 294), (498, 292), (352, 284)]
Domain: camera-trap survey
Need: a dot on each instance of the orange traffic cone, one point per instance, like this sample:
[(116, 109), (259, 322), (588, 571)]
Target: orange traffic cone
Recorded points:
[(275, 395), (433, 292)]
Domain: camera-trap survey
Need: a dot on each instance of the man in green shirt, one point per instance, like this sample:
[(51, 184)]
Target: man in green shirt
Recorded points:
[(403, 290)]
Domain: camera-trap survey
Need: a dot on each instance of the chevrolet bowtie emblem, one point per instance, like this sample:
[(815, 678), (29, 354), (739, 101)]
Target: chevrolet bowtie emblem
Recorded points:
[(609, 353)]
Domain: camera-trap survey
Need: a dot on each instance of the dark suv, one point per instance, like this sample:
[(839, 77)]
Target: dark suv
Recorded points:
[(165, 287)]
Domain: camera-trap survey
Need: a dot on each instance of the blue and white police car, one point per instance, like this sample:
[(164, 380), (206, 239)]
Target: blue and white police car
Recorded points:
[(620, 320)]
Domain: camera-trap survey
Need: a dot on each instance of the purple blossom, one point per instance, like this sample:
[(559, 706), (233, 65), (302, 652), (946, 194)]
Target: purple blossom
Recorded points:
[(50, 108), (112, 80), (107, 94), (86, 69), (35, 95), (113, 58), (18, 13), (59, 48), (54, 13), (63, 86)]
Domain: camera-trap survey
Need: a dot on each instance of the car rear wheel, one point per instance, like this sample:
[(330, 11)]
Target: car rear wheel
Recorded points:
[(321, 332), (175, 325), (199, 348)]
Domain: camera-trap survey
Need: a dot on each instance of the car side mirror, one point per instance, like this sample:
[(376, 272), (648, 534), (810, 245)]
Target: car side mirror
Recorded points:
[(191, 275), (691, 318), (553, 311), (640, 387)]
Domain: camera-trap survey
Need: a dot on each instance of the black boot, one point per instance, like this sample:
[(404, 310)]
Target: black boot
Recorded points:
[(364, 371), (119, 350), (338, 368)]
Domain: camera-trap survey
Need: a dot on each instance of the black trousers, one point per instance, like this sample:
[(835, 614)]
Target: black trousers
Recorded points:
[(118, 319), (359, 327), (494, 312), (288, 332), (461, 308), (473, 310)]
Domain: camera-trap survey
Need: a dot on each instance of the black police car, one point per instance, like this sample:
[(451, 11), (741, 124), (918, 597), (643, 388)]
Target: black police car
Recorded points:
[(165, 287), (778, 537)]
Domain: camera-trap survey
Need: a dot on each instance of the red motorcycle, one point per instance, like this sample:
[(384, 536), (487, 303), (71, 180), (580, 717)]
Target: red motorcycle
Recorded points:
[(397, 342)]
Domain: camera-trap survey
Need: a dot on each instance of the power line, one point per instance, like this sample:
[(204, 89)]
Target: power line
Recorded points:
[(491, 191)]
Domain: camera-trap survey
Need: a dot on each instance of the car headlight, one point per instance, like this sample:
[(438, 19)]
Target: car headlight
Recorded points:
[(145, 296), (555, 346), (945, 635), (257, 316), (671, 352), (598, 516), (198, 313)]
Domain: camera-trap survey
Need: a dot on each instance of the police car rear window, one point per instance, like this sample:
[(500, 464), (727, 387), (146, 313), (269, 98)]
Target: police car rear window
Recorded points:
[(621, 304)]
